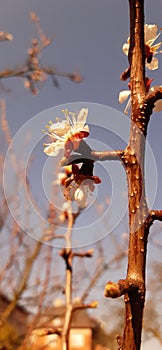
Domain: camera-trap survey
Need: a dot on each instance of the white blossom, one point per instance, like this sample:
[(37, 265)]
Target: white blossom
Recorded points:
[(68, 133), (151, 35), (80, 193)]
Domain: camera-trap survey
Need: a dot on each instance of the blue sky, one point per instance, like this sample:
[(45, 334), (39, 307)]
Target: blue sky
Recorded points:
[(87, 37)]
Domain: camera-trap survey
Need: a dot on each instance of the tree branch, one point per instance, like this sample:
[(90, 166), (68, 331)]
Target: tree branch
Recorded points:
[(95, 156), (107, 155), (87, 254), (152, 98), (155, 215), (91, 305), (137, 204)]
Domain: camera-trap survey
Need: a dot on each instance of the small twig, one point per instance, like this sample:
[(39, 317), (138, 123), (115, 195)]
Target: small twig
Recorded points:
[(5, 36), (91, 305), (155, 215), (107, 155), (153, 97), (95, 156), (87, 254), (32, 70)]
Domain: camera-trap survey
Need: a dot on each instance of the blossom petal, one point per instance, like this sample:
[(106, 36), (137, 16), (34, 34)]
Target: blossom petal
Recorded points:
[(158, 106), (79, 195), (125, 48), (150, 33), (53, 148), (123, 95), (59, 128), (82, 118)]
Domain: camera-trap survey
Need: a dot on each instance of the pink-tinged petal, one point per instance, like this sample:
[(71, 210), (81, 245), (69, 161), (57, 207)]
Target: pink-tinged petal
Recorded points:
[(150, 33), (123, 95), (82, 118), (53, 148), (125, 48), (158, 106), (79, 195), (153, 65), (59, 128)]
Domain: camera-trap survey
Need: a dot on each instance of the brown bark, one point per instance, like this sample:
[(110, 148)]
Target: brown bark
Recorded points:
[(134, 163), (133, 157)]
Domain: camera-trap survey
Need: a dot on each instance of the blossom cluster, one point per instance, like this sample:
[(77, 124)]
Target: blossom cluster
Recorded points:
[(151, 50), (78, 181)]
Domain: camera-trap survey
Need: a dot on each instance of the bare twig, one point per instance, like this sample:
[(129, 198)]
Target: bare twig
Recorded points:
[(32, 71)]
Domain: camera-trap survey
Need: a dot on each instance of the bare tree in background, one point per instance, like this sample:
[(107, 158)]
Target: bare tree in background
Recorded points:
[(32, 71)]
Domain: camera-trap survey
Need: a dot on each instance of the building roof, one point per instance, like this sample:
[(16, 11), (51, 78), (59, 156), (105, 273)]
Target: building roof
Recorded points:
[(80, 317)]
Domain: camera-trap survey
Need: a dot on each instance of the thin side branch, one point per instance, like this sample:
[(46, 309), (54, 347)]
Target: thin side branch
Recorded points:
[(156, 215), (107, 155), (153, 97), (91, 305), (32, 71), (87, 254), (95, 156)]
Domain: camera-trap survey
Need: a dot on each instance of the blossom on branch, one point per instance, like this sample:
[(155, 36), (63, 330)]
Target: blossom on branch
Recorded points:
[(125, 94), (80, 189), (77, 186), (68, 133), (151, 35)]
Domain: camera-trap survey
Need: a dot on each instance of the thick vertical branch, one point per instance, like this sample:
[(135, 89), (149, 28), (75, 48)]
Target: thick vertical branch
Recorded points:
[(134, 163), (137, 53)]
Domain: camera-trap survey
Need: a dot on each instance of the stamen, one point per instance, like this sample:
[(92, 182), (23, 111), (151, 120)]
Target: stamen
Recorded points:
[(150, 42), (127, 106)]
